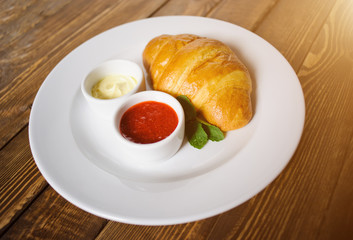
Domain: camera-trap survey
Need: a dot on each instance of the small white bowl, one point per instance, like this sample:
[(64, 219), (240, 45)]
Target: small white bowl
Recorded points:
[(158, 151), (106, 107)]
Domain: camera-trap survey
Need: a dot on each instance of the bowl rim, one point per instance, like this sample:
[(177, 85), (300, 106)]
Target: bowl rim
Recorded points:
[(140, 80), (146, 96)]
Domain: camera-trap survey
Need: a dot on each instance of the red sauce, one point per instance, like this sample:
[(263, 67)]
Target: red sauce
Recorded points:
[(148, 122)]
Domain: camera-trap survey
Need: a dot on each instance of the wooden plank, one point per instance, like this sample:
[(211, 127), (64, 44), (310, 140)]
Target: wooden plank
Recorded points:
[(22, 53), (26, 27), (193, 230), (20, 180), (52, 217), (231, 224), (247, 14), (331, 61), (292, 26), (226, 10), (338, 220), (30, 61), (187, 7)]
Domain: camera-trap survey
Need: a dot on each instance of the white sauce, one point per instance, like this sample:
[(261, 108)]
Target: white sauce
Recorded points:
[(113, 86)]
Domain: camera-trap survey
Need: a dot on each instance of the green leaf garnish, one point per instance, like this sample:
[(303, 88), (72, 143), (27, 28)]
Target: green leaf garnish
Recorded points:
[(213, 132), (197, 130), (189, 109), (196, 134)]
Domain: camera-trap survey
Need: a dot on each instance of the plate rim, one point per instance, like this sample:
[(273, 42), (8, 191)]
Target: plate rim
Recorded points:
[(147, 221)]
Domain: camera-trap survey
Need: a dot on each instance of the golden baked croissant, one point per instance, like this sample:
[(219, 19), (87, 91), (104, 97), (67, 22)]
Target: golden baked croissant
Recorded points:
[(205, 70)]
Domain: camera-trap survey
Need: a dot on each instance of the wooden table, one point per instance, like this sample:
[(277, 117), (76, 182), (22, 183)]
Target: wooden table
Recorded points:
[(311, 199)]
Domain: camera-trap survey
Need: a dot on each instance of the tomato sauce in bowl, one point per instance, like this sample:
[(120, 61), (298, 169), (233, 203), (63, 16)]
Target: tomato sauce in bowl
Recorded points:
[(148, 122), (150, 127)]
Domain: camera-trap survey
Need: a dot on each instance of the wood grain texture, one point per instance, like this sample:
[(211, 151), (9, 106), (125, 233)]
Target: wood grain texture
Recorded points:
[(247, 14), (18, 20), (20, 180), (187, 7), (327, 77), (193, 230), (25, 68), (292, 26), (56, 218)]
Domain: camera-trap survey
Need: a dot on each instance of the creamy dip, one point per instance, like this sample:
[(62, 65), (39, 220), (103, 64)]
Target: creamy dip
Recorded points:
[(113, 86)]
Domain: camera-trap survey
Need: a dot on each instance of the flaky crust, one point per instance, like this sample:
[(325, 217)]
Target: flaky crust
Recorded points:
[(205, 70)]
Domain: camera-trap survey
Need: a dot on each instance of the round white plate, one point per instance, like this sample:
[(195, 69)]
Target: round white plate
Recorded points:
[(77, 153)]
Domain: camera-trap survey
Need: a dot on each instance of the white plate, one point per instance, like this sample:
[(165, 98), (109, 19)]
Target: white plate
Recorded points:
[(77, 152)]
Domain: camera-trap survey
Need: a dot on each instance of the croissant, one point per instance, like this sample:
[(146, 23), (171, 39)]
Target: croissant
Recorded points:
[(205, 70)]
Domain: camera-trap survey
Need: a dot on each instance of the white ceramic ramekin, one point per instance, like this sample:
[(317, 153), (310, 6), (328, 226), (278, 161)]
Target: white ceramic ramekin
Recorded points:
[(106, 107), (158, 151)]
